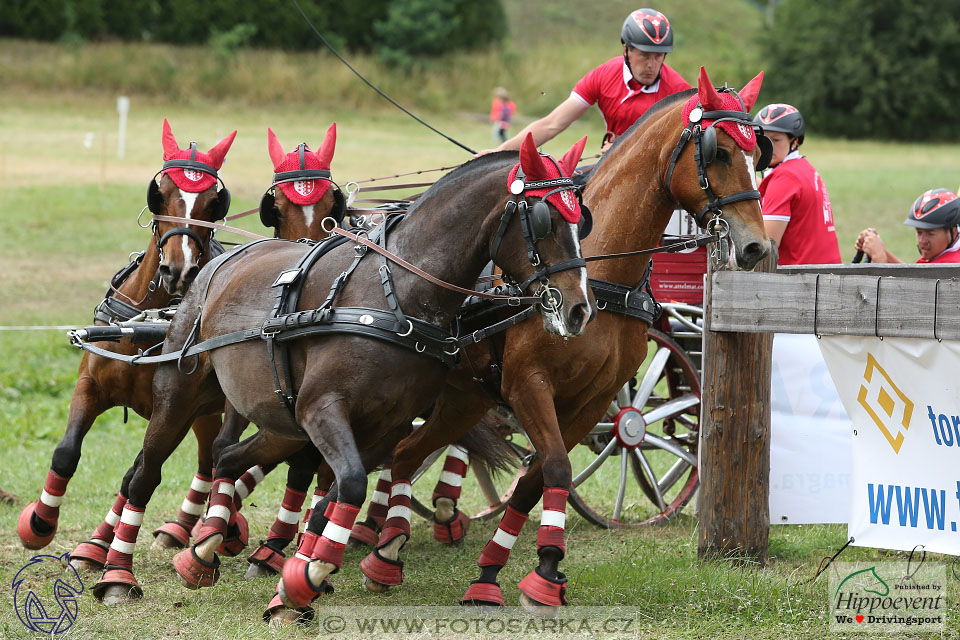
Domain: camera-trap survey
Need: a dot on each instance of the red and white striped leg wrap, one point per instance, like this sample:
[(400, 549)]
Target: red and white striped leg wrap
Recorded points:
[(318, 495), (192, 507), (219, 512), (331, 543), (105, 531), (246, 484), (398, 515), (287, 523), (451, 478), (497, 550), (48, 507), (553, 519), (125, 537), (380, 498)]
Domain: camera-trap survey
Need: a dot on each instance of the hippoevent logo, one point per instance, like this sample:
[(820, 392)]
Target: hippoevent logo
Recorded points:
[(893, 597), (45, 593), (886, 405)]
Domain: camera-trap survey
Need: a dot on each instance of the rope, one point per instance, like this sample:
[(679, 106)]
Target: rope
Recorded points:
[(369, 84)]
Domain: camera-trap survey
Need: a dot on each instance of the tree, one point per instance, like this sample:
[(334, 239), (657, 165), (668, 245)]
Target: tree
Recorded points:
[(867, 68)]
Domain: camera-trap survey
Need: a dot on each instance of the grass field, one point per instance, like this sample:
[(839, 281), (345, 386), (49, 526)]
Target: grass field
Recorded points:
[(68, 218)]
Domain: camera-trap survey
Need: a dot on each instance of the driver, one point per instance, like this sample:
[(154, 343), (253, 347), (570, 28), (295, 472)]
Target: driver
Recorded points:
[(623, 87), (795, 203), (935, 216)]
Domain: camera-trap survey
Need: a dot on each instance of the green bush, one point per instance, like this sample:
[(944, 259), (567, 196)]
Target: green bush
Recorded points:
[(868, 68)]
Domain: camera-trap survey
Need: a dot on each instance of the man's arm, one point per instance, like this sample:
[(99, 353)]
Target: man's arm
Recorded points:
[(547, 127), (775, 229)]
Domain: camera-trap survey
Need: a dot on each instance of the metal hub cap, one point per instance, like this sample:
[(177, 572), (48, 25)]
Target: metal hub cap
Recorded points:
[(629, 427)]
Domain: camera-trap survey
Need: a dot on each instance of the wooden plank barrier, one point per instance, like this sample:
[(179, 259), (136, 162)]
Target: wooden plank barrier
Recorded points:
[(743, 310)]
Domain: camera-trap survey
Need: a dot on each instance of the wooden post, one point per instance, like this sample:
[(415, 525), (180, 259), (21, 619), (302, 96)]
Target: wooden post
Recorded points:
[(734, 497)]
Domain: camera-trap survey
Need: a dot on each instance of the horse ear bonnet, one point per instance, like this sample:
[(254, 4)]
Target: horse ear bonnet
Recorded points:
[(766, 152), (154, 197), (269, 214), (708, 145), (539, 219)]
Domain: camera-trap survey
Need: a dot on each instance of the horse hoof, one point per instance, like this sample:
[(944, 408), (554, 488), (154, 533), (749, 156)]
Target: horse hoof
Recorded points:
[(236, 539), (538, 609), (171, 535), (375, 587), (382, 570), (453, 530), (117, 586), (34, 533), (194, 571), (279, 615), (295, 588), (89, 556), (363, 535), (256, 571), (485, 595)]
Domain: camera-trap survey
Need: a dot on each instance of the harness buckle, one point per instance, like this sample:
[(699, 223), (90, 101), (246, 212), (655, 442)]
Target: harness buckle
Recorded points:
[(513, 302), (475, 337), (268, 335)]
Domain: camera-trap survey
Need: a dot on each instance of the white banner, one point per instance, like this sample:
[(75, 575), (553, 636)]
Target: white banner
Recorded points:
[(903, 397), (809, 439)]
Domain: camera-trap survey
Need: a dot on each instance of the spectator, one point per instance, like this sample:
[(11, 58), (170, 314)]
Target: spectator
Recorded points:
[(935, 216), (501, 111), (623, 87), (796, 206)]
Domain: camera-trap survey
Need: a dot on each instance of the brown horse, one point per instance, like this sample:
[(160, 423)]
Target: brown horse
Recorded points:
[(291, 221), (559, 390), (352, 396), (187, 188)]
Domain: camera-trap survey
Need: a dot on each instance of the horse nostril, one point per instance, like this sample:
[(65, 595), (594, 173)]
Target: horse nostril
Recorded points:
[(579, 317), (191, 274)]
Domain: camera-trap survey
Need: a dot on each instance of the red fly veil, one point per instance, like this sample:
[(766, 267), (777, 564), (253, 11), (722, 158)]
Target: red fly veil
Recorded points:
[(303, 191), (710, 99), (194, 180), (540, 166)]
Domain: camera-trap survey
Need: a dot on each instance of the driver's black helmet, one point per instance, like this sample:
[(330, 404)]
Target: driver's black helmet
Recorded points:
[(783, 118), (647, 30), (934, 209)]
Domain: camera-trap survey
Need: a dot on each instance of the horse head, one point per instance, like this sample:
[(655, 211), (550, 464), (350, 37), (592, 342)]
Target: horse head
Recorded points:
[(301, 195), (187, 188), (714, 177), (549, 212)]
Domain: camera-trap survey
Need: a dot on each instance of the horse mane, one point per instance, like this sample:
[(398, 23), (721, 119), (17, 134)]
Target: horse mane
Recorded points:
[(462, 172)]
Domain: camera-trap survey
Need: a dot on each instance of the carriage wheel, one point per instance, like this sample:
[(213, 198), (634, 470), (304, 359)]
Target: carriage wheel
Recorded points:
[(494, 492), (640, 463)]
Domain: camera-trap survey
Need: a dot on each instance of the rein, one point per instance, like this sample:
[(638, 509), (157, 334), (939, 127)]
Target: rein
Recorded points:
[(209, 225)]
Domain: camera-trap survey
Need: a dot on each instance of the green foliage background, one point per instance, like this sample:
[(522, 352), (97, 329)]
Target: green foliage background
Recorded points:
[(869, 68)]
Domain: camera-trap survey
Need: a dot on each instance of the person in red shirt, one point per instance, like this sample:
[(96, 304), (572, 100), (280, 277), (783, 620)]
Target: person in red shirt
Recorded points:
[(623, 87), (795, 203), (935, 216), (502, 109)]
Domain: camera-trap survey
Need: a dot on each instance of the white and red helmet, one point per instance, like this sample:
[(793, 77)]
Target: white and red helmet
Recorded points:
[(647, 30)]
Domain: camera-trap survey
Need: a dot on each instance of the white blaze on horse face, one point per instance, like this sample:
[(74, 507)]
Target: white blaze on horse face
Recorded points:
[(751, 169), (189, 199), (307, 213), (557, 320)]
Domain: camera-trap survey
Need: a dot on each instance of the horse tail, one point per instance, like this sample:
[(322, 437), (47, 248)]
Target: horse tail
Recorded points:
[(488, 447)]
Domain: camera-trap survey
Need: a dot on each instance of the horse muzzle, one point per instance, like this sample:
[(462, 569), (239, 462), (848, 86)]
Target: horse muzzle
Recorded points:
[(177, 280), (568, 320)]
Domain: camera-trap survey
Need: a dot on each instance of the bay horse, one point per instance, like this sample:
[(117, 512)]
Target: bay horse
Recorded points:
[(187, 188), (351, 396), (559, 391), (292, 216)]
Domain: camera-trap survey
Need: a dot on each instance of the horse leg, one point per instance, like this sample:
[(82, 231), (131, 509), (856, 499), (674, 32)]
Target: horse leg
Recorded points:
[(92, 554), (544, 588), (453, 416), (175, 534), (268, 558), (325, 419), (367, 532), (449, 523), (37, 524), (199, 565)]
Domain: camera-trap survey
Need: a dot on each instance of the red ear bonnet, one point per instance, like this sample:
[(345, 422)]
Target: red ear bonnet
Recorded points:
[(537, 167), (192, 180), (712, 100), (303, 192)]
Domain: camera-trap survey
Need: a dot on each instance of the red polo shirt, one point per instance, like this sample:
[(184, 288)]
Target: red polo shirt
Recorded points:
[(794, 192), (620, 97)]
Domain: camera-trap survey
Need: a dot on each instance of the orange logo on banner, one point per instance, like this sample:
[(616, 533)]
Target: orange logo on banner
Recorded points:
[(885, 403)]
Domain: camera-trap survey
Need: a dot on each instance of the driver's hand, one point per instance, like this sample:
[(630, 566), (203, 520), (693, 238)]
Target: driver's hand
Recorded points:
[(873, 246), (863, 235)]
